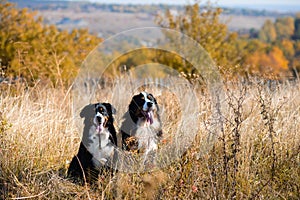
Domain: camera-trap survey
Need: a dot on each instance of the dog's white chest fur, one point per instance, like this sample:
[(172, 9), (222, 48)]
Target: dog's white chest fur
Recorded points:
[(99, 145), (146, 134), (147, 138)]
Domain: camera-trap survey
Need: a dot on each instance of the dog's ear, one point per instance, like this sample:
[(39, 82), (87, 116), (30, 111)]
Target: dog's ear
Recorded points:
[(110, 108), (133, 106), (87, 111), (113, 110)]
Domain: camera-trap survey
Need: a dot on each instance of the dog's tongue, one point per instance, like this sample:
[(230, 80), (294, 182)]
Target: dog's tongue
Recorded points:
[(99, 128), (149, 117)]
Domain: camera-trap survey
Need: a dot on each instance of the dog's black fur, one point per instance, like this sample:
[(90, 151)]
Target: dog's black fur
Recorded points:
[(85, 166), (141, 124)]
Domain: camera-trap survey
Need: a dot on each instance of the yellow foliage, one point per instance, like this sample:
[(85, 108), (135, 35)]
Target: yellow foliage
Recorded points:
[(38, 52), (287, 46), (143, 56), (272, 63), (268, 32), (204, 26)]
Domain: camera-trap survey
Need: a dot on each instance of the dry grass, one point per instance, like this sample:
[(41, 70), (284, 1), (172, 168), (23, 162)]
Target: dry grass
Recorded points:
[(256, 154)]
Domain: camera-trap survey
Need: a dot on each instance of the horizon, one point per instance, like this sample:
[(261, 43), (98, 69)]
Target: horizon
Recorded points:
[(183, 2), (268, 5), (275, 5)]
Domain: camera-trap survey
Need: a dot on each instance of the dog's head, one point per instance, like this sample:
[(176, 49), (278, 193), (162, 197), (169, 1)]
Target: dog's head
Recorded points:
[(103, 115), (143, 106)]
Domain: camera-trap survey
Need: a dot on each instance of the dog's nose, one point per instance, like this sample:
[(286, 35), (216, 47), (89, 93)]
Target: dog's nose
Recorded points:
[(99, 119), (149, 104)]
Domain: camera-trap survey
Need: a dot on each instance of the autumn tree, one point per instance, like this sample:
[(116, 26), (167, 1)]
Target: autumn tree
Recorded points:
[(266, 60), (150, 56), (284, 28), (38, 52), (267, 32), (203, 25), (296, 59), (297, 27)]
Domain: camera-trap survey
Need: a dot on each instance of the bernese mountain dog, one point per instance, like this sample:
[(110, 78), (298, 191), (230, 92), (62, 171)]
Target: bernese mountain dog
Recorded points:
[(97, 146), (141, 129)]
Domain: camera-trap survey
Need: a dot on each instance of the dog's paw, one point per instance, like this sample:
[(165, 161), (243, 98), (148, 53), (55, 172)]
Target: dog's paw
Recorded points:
[(103, 161), (132, 144)]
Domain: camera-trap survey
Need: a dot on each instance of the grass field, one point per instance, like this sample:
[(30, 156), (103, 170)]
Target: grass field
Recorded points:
[(256, 154)]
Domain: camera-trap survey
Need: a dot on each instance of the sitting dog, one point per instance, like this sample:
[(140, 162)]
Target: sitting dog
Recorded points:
[(141, 128), (97, 145)]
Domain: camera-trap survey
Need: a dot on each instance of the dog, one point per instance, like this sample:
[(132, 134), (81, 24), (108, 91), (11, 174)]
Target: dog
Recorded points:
[(97, 146), (141, 128)]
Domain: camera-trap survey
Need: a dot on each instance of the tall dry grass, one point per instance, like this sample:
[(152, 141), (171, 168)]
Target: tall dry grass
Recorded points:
[(255, 155)]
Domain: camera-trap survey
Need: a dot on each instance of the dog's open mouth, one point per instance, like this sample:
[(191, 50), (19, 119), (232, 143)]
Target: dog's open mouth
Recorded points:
[(101, 126), (149, 116)]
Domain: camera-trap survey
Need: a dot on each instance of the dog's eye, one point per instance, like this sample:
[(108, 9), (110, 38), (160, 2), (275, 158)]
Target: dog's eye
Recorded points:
[(143, 97), (149, 97)]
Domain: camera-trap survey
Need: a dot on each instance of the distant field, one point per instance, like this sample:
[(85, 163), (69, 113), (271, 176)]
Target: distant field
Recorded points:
[(237, 22), (102, 23), (106, 23)]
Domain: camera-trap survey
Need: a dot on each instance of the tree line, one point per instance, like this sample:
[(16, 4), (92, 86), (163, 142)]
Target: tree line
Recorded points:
[(272, 51), (276, 45), (35, 51)]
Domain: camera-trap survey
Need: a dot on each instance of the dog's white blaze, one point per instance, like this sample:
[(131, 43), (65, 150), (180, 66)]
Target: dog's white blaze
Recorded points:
[(145, 106), (102, 120)]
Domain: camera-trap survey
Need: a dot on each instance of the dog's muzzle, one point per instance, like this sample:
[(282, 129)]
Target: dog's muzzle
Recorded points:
[(149, 116), (101, 122)]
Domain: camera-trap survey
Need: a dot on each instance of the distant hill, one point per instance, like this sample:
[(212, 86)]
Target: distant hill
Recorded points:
[(107, 19), (133, 8)]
